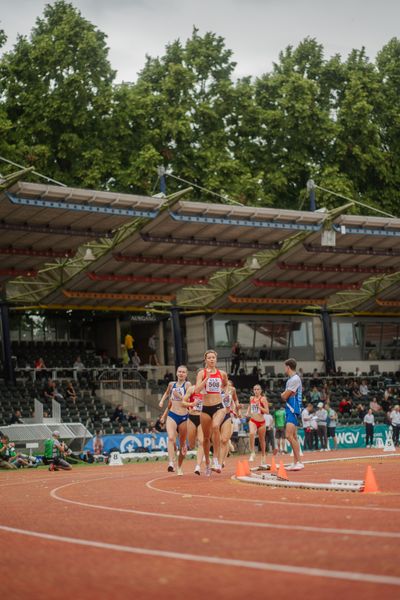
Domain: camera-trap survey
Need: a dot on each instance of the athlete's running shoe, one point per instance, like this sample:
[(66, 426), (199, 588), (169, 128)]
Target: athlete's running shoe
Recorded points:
[(179, 471), (208, 471), (252, 457), (197, 470), (295, 467), (171, 468)]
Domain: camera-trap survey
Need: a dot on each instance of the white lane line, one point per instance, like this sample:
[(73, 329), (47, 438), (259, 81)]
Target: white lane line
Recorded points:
[(265, 525), (293, 504), (214, 560)]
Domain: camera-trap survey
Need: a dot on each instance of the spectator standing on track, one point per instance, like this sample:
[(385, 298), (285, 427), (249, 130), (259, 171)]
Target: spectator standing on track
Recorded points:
[(280, 421), (128, 341), (332, 424), (269, 432), (369, 422), (306, 422), (395, 422), (322, 419), (314, 427)]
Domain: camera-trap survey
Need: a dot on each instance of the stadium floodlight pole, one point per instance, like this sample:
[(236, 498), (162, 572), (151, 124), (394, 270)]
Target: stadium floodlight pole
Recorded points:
[(163, 183), (311, 192), (177, 334), (328, 341)]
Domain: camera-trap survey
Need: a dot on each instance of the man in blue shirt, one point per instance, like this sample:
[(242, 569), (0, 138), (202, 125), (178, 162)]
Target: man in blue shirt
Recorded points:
[(294, 405)]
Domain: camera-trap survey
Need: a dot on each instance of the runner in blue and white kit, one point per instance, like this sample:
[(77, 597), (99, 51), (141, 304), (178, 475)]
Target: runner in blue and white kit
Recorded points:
[(294, 405)]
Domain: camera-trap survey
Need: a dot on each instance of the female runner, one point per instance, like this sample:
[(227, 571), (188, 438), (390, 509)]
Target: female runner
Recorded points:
[(194, 402), (177, 417), (258, 407), (213, 382), (232, 408)]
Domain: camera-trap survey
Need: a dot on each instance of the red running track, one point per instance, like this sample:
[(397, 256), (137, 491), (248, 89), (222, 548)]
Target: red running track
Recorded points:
[(105, 532)]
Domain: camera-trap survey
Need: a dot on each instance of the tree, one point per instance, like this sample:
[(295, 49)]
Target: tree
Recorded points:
[(57, 90)]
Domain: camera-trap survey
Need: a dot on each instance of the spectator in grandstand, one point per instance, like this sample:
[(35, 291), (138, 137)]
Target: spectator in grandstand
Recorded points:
[(386, 400), (16, 417), (128, 341), (132, 419), (152, 347), (39, 364), (124, 355), (135, 360), (395, 423), (118, 415), (54, 453), (306, 416), (4, 454), (374, 406), (51, 392), (361, 411), (280, 423), (168, 377), (159, 424), (120, 430), (235, 358), (364, 391), (78, 364), (315, 395), (71, 393), (263, 353), (322, 418), (269, 432), (339, 371), (369, 422), (332, 424), (345, 406)]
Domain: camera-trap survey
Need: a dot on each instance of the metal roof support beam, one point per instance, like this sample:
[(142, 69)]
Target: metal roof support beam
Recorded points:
[(106, 210), (245, 222), (192, 241), (46, 229), (349, 229)]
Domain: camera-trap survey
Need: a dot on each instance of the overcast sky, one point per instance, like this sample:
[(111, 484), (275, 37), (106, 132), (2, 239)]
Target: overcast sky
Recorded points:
[(256, 30)]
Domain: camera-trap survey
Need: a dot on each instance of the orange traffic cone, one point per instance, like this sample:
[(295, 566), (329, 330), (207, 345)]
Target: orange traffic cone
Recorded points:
[(282, 472), (240, 470), (370, 485), (246, 467), (273, 465)]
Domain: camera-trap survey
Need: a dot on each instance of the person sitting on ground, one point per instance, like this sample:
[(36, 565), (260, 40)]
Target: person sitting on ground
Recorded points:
[(118, 415), (4, 454), (374, 406), (16, 418), (54, 453), (78, 364), (20, 460), (71, 393)]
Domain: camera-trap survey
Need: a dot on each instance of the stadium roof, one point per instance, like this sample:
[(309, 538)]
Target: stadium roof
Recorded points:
[(152, 253)]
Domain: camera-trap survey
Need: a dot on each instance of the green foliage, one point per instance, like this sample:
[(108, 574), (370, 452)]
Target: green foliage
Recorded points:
[(256, 141)]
